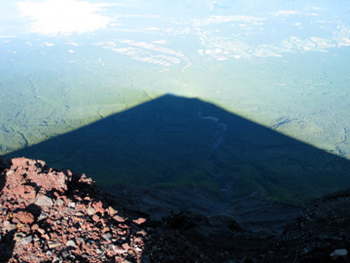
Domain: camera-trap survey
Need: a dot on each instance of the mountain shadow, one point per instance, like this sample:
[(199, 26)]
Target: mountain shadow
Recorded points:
[(189, 154)]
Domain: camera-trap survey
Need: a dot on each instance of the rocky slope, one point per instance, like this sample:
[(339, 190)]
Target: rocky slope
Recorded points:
[(48, 215), (51, 216)]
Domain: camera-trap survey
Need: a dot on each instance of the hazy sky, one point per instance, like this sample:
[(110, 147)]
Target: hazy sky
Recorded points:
[(63, 17), (66, 17)]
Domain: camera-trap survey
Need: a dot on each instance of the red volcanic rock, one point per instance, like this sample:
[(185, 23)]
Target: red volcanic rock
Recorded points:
[(98, 207), (25, 191), (41, 231), (111, 211), (23, 217), (95, 218), (35, 227), (21, 162), (118, 218), (52, 216), (139, 221)]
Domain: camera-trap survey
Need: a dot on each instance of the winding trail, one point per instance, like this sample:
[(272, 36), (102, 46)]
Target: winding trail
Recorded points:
[(337, 144), (217, 176)]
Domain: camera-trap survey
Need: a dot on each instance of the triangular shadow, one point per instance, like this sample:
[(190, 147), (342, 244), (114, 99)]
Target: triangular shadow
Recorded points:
[(192, 154)]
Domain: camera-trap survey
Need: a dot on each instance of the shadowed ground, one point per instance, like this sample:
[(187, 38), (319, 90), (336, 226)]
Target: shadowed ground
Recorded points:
[(186, 154)]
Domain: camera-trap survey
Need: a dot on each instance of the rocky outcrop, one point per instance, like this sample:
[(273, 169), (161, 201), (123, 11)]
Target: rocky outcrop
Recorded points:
[(48, 215), (57, 216)]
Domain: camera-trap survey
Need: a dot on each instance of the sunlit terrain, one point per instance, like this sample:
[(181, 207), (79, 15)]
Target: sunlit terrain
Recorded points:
[(67, 64)]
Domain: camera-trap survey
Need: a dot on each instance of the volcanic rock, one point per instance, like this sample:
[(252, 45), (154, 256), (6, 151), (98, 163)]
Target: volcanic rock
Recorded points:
[(48, 215), (23, 217)]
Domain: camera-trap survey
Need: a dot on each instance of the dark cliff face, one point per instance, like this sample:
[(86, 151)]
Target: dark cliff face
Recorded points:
[(57, 216)]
